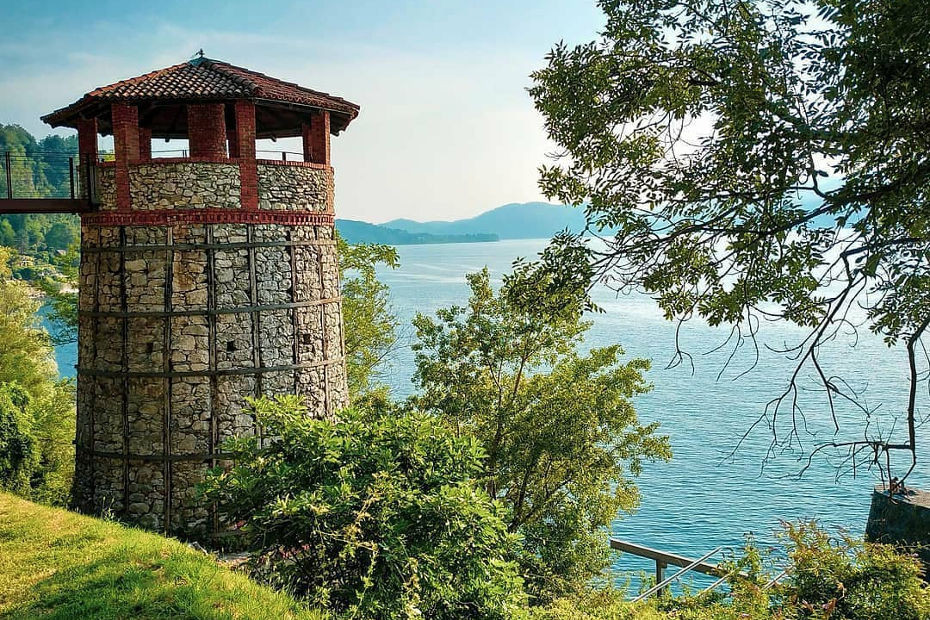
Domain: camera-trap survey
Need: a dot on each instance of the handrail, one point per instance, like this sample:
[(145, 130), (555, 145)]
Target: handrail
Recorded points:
[(662, 584), (662, 557), (775, 580)]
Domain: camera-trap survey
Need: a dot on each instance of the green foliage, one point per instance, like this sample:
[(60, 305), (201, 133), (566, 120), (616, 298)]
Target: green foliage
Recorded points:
[(61, 296), (370, 333), (46, 415), (829, 578), (18, 452), (757, 159), (371, 516), (562, 436), (844, 578)]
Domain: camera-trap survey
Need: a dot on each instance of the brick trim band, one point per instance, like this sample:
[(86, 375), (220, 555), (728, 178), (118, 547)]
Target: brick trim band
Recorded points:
[(168, 217)]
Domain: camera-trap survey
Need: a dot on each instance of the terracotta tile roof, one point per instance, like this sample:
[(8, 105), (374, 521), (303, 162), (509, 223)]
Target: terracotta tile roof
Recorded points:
[(204, 79)]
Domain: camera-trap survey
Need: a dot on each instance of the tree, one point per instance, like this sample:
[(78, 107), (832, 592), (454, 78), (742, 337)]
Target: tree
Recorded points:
[(59, 237), (370, 516), (370, 324), (760, 159), (18, 452), (61, 295), (559, 427), (7, 234), (44, 415)]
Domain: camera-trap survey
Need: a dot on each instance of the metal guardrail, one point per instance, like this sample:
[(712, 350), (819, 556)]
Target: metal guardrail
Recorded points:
[(38, 174), (664, 559), (46, 182), (661, 585)]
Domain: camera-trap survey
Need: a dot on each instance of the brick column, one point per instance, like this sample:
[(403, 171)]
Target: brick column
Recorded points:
[(245, 139), (307, 140), (206, 129), (87, 138), (145, 144), (232, 142), (126, 145), (316, 139)]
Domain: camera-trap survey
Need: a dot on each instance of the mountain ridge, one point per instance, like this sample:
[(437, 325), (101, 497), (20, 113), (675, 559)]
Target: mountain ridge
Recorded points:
[(528, 220)]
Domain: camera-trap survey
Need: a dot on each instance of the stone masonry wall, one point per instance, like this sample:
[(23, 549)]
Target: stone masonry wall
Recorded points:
[(283, 187), (168, 185), (177, 326)]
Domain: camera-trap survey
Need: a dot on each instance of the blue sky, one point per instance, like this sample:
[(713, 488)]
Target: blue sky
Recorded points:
[(446, 131)]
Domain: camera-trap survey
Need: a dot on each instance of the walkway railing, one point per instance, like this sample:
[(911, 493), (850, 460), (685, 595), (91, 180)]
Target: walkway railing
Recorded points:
[(664, 559), (45, 182)]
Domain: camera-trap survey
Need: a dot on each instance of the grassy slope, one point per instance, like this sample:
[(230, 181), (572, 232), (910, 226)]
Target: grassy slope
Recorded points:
[(57, 564)]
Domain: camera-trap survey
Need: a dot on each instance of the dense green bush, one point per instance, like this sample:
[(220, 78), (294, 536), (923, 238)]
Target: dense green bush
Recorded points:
[(841, 577), (18, 453), (36, 407), (372, 516)]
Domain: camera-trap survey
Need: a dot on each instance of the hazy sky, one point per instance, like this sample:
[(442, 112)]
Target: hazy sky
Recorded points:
[(446, 130)]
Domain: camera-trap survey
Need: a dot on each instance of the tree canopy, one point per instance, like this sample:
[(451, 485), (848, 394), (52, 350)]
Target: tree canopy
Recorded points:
[(562, 436), (762, 159)]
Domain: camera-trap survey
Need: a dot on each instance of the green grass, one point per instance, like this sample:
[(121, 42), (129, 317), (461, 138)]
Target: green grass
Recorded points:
[(58, 564)]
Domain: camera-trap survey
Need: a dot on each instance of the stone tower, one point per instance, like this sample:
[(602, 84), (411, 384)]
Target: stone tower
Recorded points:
[(205, 279)]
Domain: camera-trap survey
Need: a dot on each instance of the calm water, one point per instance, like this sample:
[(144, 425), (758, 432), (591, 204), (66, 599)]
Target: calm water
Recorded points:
[(702, 498)]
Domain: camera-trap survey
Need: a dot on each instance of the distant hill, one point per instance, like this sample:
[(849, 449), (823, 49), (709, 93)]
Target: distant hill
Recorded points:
[(354, 231), (531, 220)]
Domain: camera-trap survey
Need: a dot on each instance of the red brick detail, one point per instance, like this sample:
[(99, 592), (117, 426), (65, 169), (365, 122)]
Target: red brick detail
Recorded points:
[(87, 138), (318, 151), (245, 137), (293, 164), (145, 143), (182, 160), (169, 217), (126, 145), (232, 142), (206, 129), (307, 139)]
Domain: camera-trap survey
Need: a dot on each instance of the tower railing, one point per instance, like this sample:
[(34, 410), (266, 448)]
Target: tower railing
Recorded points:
[(34, 181)]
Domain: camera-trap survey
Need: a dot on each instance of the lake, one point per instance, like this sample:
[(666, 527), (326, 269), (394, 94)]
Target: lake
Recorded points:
[(702, 498)]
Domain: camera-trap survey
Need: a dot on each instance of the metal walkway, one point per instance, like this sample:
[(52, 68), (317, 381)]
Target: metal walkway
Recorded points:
[(44, 182)]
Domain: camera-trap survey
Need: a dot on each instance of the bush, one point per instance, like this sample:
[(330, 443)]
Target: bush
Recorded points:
[(840, 577), (19, 456), (371, 515)]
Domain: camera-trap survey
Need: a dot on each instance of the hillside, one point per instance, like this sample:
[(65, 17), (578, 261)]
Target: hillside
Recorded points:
[(55, 563), (354, 231), (531, 220)]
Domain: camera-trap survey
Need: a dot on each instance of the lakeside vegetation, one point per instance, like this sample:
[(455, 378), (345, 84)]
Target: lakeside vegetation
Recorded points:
[(488, 493)]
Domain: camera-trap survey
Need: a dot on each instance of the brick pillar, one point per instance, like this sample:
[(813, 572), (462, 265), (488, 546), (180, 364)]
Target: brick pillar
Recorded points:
[(245, 139), (87, 138), (232, 141), (316, 138), (145, 143), (307, 140), (206, 129), (126, 145)]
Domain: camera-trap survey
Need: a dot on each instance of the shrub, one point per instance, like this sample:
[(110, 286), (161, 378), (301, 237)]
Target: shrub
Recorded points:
[(841, 577), (372, 515), (18, 453)]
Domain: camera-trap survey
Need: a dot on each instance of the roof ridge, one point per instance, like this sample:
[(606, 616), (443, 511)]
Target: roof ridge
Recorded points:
[(217, 66), (280, 81)]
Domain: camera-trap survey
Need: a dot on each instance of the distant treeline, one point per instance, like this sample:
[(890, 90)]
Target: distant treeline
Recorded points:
[(37, 170), (354, 231)]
